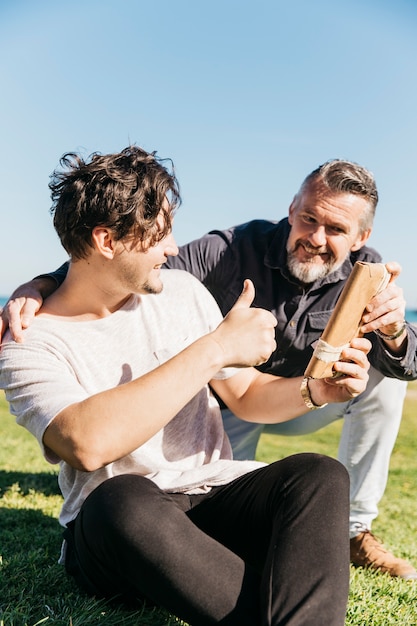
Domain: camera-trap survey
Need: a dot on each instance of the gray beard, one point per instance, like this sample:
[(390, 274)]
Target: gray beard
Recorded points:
[(308, 273)]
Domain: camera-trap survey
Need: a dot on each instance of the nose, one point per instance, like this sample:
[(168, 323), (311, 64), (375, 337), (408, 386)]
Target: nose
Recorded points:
[(171, 248), (318, 236)]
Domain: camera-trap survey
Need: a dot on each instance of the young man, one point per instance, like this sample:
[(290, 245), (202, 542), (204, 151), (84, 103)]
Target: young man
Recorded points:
[(299, 267), (113, 379)]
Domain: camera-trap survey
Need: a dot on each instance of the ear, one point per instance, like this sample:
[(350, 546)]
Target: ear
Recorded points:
[(103, 242), (292, 210), (361, 240)]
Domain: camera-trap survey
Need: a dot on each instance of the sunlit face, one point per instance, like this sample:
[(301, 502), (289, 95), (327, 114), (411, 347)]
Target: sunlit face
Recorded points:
[(139, 269), (325, 228)]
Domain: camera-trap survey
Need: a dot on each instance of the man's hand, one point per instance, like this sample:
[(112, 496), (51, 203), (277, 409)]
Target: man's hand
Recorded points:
[(246, 335), (354, 375), (385, 313), (22, 306), (386, 310)]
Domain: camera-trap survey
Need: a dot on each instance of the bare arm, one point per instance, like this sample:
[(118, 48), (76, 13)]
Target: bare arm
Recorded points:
[(113, 423), (269, 399)]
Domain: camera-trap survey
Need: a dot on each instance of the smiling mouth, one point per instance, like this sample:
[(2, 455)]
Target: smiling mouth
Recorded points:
[(311, 252)]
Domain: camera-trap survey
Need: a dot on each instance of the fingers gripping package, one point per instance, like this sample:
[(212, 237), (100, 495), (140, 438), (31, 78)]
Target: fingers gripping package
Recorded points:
[(365, 281)]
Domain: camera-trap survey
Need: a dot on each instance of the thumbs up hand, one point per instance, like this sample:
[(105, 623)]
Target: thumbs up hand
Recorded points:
[(246, 335)]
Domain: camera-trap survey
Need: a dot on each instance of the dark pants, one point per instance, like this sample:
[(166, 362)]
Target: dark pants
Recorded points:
[(268, 549)]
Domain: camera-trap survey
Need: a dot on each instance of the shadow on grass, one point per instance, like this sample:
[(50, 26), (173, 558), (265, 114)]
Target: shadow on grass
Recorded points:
[(35, 588), (25, 531), (44, 482)]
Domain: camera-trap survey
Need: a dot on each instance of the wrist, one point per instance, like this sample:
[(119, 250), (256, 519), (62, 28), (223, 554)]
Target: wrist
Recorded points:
[(43, 285), (306, 396), (393, 336), (216, 354)]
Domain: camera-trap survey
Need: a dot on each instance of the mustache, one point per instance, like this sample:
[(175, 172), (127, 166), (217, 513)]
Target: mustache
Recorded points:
[(311, 249)]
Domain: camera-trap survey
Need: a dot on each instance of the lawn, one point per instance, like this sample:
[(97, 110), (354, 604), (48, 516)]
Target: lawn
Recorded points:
[(34, 589)]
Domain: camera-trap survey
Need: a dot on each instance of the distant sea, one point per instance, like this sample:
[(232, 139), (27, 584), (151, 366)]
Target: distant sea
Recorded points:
[(410, 314)]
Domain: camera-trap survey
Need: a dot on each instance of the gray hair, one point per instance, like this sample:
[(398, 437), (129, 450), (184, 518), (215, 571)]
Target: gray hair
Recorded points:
[(347, 177)]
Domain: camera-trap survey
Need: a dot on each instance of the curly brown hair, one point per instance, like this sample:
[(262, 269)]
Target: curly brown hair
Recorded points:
[(125, 191)]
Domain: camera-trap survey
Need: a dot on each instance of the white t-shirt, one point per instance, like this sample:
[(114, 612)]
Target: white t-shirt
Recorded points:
[(62, 362)]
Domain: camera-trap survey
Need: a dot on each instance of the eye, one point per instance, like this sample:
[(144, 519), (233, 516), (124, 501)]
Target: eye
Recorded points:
[(336, 230), (308, 219)]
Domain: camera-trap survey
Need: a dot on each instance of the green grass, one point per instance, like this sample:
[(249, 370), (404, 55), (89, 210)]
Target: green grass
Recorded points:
[(34, 589)]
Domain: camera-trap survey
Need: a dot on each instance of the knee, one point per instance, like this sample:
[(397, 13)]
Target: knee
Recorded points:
[(118, 488), (391, 393), (320, 470), (118, 502), (312, 485), (387, 394), (322, 464), (330, 469), (329, 484)]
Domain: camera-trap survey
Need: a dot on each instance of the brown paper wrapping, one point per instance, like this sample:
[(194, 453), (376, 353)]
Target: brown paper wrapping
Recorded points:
[(364, 282)]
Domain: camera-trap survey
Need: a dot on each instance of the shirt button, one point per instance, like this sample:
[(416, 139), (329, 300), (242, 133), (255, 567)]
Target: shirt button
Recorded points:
[(292, 323)]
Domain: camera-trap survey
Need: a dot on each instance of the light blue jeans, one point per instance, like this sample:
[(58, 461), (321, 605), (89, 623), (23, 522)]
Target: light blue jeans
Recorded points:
[(371, 424)]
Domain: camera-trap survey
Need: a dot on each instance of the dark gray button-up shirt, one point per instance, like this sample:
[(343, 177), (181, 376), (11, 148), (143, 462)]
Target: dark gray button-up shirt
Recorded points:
[(221, 260)]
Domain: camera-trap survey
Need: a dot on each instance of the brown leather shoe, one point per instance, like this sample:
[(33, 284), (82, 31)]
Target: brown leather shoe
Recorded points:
[(367, 551)]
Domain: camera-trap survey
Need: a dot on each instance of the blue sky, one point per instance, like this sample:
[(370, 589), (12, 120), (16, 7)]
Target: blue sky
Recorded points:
[(245, 97)]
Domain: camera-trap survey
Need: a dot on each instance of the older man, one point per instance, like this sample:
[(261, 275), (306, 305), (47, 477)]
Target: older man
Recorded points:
[(299, 266)]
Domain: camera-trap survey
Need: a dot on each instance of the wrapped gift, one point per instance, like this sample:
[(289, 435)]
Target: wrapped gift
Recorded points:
[(364, 282)]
